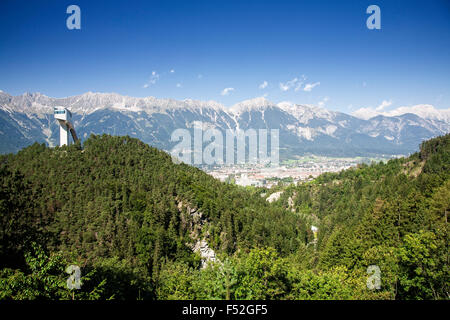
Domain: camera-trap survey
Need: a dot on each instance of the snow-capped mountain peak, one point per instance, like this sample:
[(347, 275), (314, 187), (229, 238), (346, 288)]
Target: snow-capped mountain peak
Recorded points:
[(259, 103), (305, 113), (27, 118), (425, 111)]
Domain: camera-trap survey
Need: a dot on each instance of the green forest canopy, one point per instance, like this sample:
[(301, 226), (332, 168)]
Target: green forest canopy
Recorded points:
[(122, 211)]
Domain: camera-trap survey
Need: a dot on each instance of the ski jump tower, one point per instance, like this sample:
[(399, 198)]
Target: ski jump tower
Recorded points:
[(64, 118)]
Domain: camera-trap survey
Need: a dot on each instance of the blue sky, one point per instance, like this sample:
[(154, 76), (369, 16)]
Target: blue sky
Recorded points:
[(196, 49)]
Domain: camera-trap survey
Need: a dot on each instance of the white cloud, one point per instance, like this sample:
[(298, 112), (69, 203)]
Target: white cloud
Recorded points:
[(384, 105), (365, 113), (295, 83), (227, 91), (300, 83), (152, 80), (288, 84), (263, 85), (309, 86), (322, 102), (370, 112), (172, 71), (426, 111), (179, 85)]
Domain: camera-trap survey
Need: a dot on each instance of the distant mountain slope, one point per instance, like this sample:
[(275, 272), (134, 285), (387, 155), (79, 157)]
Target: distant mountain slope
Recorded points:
[(303, 129)]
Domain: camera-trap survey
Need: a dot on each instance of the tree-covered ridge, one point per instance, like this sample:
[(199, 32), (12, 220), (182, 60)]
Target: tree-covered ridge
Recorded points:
[(392, 214), (117, 200), (122, 211)]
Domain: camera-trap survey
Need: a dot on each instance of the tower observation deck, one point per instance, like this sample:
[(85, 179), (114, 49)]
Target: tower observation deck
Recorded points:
[(64, 118)]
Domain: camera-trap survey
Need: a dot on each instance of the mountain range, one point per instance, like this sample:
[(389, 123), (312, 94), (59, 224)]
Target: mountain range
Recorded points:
[(303, 129)]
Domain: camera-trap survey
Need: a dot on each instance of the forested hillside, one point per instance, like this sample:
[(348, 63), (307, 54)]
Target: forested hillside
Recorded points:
[(128, 217), (393, 215)]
